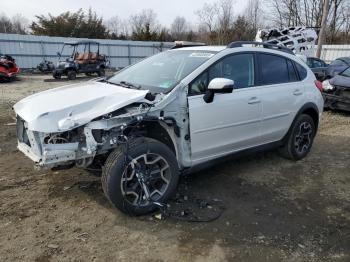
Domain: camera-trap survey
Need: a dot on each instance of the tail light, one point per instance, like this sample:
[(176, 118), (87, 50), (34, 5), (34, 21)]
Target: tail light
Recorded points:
[(318, 84)]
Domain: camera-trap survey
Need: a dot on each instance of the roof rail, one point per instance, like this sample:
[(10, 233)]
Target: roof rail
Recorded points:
[(265, 45)]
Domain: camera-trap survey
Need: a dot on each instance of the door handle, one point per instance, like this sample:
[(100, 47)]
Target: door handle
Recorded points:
[(253, 100), (297, 92)]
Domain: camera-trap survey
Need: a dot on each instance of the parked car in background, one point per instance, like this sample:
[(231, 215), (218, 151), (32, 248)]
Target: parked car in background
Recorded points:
[(337, 66), (336, 91), (318, 67)]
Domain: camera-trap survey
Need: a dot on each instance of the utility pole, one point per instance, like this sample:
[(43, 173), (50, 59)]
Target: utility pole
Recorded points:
[(323, 28)]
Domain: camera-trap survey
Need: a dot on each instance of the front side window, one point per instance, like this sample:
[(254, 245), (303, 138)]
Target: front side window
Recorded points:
[(238, 67), (162, 72)]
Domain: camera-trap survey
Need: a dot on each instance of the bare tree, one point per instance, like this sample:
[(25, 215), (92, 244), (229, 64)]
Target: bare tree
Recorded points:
[(18, 24), (144, 25), (216, 21), (254, 14), (118, 28), (207, 18), (225, 20), (179, 28)]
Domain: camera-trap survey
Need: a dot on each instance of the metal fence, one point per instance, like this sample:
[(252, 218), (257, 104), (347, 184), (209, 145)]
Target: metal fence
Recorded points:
[(331, 52), (29, 50)]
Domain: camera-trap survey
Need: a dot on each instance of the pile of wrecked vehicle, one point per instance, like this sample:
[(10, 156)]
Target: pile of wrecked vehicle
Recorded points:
[(336, 91)]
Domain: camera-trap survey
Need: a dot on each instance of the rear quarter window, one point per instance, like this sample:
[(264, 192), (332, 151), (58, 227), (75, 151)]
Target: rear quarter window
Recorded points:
[(275, 69), (301, 71)]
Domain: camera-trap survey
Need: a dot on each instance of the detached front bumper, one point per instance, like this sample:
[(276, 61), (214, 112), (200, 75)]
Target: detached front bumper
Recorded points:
[(32, 144)]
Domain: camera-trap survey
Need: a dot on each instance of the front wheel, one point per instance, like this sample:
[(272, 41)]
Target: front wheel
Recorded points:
[(56, 75), (147, 174), (71, 75), (300, 138)]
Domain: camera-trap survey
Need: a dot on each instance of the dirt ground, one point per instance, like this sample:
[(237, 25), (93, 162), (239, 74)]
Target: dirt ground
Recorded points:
[(275, 210)]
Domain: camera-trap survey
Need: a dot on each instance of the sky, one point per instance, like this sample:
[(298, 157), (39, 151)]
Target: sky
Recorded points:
[(166, 10)]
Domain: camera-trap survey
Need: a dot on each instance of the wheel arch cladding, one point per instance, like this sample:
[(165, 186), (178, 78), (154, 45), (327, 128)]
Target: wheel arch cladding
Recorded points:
[(307, 109), (311, 110), (156, 131)]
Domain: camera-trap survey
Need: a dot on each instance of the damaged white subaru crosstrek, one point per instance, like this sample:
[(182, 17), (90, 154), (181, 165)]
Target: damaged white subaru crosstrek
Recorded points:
[(171, 112)]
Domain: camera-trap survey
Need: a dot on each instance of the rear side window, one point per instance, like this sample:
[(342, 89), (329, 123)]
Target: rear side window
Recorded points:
[(274, 69), (301, 71), (293, 77)]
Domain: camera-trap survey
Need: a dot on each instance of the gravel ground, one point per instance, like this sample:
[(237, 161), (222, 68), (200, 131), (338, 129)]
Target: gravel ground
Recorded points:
[(275, 210)]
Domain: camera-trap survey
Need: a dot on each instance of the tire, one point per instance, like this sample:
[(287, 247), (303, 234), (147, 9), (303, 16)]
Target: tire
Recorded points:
[(299, 138), (101, 72), (56, 75), (121, 184), (71, 75)]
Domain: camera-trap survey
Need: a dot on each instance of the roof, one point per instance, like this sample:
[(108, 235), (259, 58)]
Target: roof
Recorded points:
[(81, 42), (202, 48)]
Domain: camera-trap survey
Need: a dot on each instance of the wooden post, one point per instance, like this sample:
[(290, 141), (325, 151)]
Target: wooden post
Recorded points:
[(323, 28)]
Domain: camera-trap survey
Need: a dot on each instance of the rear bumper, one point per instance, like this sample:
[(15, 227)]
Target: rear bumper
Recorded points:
[(336, 102)]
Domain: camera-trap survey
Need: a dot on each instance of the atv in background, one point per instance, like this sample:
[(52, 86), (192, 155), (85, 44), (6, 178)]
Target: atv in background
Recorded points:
[(46, 66), (85, 58), (8, 68)]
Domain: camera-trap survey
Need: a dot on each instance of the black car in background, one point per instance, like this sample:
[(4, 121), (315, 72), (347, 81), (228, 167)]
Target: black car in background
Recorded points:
[(318, 66), (336, 91), (337, 66)]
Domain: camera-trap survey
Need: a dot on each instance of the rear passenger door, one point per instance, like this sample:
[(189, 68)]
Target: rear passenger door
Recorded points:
[(281, 95)]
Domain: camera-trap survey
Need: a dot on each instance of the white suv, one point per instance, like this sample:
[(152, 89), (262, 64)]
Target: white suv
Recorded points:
[(171, 112)]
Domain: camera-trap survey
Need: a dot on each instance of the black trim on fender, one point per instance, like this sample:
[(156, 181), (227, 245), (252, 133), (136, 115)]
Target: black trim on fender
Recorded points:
[(305, 107)]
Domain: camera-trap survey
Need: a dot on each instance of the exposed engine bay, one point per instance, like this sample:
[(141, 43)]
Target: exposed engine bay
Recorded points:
[(77, 141)]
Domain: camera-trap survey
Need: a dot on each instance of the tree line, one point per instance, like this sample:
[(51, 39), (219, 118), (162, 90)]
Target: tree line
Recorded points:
[(216, 23)]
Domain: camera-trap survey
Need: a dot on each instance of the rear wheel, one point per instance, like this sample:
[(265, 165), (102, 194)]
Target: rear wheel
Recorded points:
[(300, 138), (71, 75), (149, 174), (56, 75), (101, 72)]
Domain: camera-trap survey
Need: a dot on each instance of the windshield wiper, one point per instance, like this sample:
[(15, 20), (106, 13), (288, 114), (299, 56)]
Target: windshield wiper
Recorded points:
[(108, 82), (129, 85)]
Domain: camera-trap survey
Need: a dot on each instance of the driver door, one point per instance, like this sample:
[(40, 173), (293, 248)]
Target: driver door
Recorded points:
[(232, 121)]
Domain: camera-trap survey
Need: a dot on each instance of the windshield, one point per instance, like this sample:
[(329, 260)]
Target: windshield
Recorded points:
[(161, 72)]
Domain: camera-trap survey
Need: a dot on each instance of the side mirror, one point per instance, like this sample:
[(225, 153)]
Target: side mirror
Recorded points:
[(218, 85), (59, 54)]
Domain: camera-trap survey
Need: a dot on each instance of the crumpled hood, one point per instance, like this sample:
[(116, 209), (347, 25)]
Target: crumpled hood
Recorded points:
[(70, 106)]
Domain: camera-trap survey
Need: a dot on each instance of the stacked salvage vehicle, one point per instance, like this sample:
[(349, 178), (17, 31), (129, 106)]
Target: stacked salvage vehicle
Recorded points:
[(8, 68)]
